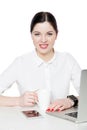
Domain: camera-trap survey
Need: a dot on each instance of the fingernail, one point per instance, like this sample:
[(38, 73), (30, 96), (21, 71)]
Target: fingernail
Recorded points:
[(59, 110), (52, 110), (48, 110)]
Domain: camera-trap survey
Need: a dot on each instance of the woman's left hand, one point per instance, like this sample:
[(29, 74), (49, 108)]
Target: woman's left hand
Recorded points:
[(60, 105)]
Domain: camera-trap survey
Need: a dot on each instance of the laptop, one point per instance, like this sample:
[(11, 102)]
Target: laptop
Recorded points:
[(76, 114)]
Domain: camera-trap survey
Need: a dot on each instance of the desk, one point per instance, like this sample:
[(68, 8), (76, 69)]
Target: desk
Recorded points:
[(13, 119)]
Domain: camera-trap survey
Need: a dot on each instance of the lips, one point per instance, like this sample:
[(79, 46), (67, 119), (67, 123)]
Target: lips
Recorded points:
[(43, 46)]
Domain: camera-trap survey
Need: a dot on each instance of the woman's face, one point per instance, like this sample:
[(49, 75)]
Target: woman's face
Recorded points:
[(44, 36)]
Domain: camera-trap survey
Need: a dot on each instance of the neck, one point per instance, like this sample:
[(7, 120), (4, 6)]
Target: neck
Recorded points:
[(47, 56)]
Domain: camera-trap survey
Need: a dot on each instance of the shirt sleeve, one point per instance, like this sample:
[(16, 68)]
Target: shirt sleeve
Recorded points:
[(9, 76), (75, 73)]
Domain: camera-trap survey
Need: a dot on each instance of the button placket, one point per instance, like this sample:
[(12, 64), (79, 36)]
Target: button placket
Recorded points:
[(47, 76)]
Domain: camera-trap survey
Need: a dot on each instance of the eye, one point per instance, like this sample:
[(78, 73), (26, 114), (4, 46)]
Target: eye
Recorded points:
[(50, 34), (37, 34)]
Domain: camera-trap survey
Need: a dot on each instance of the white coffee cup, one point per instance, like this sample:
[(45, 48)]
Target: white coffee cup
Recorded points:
[(44, 96)]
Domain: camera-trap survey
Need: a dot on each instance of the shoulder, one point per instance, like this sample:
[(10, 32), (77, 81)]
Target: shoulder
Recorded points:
[(66, 59), (27, 56), (65, 56), (23, 59)]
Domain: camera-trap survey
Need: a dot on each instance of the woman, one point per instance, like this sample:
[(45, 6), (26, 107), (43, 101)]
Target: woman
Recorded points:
[(42, 68)]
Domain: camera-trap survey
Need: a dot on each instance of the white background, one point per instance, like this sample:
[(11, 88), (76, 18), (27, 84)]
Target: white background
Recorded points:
[(15, 38)]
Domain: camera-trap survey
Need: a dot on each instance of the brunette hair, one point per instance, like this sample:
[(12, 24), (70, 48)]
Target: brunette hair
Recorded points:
[(41, 17)]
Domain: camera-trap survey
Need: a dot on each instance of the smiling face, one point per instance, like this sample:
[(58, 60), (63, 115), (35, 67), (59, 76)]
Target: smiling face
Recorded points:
[(44, 36)]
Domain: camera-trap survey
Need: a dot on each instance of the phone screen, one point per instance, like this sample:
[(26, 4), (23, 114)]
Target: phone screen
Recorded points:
[(31, 113)]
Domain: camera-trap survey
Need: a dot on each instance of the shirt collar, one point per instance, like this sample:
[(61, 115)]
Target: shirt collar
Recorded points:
[(39, 61)]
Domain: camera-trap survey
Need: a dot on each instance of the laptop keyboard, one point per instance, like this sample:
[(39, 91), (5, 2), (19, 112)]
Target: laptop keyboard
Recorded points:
[(73, 114)]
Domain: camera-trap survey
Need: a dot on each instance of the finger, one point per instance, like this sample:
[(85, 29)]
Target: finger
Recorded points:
[(33, 96), (31, 93), (30, 104), (61, 108), (57, 108), (31, 100), (54, 106)]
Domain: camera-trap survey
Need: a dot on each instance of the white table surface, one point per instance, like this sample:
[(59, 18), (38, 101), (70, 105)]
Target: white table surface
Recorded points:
[(13, 119)]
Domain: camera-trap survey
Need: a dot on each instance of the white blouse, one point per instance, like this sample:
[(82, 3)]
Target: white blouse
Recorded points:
[(30, 72)]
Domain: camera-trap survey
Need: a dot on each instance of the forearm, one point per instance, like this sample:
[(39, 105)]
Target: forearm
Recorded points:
[(27, 99), (9, 101)]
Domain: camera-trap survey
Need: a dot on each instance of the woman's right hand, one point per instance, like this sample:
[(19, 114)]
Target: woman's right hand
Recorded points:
[(29, 98)]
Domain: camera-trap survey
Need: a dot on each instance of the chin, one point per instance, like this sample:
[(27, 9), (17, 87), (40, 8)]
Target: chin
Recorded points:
[(44, 52)]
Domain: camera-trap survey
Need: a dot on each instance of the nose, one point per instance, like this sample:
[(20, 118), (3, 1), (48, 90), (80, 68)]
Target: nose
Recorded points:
[(43, 38)]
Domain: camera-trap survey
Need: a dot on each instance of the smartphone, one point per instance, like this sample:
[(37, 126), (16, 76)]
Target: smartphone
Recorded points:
[(31, 113)]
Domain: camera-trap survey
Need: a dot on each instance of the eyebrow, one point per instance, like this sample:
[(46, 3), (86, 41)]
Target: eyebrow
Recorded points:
[(40, 32)]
